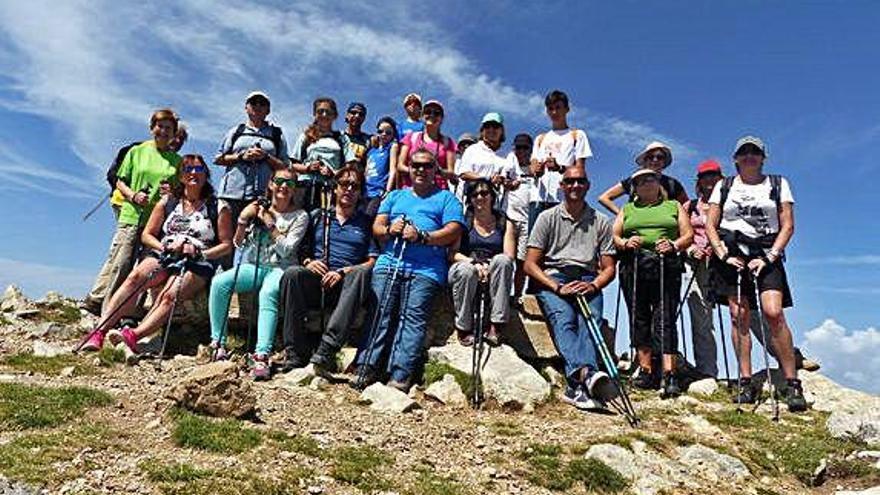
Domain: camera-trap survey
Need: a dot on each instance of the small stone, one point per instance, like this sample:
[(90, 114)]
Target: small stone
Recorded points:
[(706, 386), (385, 399), (319, 383), (215, 389), (819, 473), (68, 371), (316, 490), (489, 472), (45, 349), (297, 377), (713, 465), (447, 391)]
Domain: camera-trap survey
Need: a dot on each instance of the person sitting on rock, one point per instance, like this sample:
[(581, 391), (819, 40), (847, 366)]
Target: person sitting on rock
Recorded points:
[(484, 255), (272, 235), (184, 226), (338, 278), (570, 254), (425, 220)]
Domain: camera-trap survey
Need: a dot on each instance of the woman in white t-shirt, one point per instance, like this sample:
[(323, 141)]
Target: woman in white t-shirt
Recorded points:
[(749, 224)]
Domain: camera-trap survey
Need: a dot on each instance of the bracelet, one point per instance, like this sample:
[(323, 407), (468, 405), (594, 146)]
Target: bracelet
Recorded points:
[(725, 257), (557, 289), (595, 287)]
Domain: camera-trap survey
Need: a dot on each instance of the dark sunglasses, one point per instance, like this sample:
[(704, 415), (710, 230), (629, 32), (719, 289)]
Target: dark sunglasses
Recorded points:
[(324, 111), (357, 113), (655, 156), (281, 181), (433, 113), (571, 181), (421, 165), (750, 150), (348, 184), (385, 132), (522, 147), (195, 169), (482, 193)]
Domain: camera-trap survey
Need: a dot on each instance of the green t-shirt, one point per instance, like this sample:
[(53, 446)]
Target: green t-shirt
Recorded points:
[(144, 165), (651, 222)]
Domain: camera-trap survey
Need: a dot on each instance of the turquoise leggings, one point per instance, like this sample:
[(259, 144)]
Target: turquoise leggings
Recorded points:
[(268, 283)]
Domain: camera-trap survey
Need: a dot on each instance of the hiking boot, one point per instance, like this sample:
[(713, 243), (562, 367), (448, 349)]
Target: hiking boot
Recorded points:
[(370, 376), (492, 336), (127, 337), (95, 342), (600, 386), (794, 396), (260, 367), (645, 380), (577, 396), (804, 363), (747, 393), (672, 389), (218, 352), (402, 386), (465, 338), (292, 361)]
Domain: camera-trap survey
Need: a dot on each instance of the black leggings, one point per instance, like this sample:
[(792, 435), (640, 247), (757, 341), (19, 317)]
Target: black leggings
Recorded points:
[(646, 319)]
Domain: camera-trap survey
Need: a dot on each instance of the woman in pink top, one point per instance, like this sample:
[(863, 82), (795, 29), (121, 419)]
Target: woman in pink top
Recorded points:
[(433, 140)]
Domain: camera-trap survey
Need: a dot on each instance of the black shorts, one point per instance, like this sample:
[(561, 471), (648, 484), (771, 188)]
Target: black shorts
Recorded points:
[(773, 277), (202, 268)]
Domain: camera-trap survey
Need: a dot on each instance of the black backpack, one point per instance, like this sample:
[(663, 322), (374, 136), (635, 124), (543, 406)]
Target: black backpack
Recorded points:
[(241, 130), (210, 203), (113, 171), (775, 190)]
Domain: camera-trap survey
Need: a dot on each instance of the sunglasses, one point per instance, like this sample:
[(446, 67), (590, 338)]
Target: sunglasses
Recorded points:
[(421, 165), (195, 169), (384, 132), (325, 112), (281, 181), (348, 184), (571, 181), (522, 147), (433, 113), (750, 150), (655, 157), (356, 113), (482, 193)]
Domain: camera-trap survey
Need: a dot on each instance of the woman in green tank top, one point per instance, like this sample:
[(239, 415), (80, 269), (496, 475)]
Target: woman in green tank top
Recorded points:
[(648, 231)]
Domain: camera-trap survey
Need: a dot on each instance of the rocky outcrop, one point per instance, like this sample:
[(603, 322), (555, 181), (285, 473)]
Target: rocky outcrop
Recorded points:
[(13, 300), (447, 391), (863, 426), (712, 465), (215, 389), (506, 378)]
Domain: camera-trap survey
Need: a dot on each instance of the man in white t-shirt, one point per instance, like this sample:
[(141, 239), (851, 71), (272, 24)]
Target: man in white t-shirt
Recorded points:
[(553, 152), (516, 203)]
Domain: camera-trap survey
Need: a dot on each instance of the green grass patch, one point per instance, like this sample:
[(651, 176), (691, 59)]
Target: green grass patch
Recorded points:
[(32, 458), (434, 372), (49, 366), (174, 472), (226, 436), (60, 312), (360, 466), (429, 483), (4, 321), (596, 476), (30, 406), (110, 356), (548, 469), (506, 429), (729, 418), (238, 483), (296, 443)]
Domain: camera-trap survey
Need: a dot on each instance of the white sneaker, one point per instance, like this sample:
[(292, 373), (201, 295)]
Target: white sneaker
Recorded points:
[(602, 387)]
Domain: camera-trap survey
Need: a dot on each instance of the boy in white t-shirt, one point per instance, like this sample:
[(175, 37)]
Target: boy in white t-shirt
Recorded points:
[(553, 152)]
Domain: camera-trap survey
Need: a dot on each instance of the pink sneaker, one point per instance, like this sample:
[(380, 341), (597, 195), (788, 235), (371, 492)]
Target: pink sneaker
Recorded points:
[(260, 369), (95, 342), (126, 336), (218, 352)]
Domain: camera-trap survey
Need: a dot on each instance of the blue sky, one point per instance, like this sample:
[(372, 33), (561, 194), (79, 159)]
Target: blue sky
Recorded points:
[(79, 79)]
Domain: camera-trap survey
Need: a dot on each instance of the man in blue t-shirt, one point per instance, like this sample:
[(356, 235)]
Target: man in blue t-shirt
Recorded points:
[(342, 273), (416, 226)]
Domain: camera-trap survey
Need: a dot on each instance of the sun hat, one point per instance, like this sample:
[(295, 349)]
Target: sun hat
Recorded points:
[(708, 167), (753, 140), (640, 158), (434, 103), (411, 96), (641, 172), (253, 95)]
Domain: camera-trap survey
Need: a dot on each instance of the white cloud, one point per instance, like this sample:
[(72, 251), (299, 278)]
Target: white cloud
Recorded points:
[(851, 260), (97, 68), (36, 279), (852, 357)]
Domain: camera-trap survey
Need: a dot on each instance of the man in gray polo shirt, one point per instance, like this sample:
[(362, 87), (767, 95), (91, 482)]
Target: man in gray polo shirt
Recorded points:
[(569, 254)]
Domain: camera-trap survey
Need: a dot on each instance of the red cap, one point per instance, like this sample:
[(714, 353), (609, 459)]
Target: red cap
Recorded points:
[(708, 166)]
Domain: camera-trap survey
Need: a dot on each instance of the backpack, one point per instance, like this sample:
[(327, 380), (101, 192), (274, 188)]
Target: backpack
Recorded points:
[(113, 170), (775, 190), (210, 204), (241, 130), (336, 136)]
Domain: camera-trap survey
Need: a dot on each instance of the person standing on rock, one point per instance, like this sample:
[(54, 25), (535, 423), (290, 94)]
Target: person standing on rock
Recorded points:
[(431, 138), (516, 206), (655, 156), (357, 140), (750, 223), (483, 255), (649, 233), (570, 254), (416, 226), (272, 236), (183, 226), (342, 274)]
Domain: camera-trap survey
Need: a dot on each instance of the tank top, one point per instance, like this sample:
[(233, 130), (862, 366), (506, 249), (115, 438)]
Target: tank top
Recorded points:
[(651, 222), (195, 226), (483, 248)]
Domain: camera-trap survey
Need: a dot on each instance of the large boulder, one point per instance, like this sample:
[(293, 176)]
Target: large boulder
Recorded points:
[(13, 300), (870, 491), (506, 377), (447, 391), (829, 396), (713, 465), (863, 426), (528, 333), (388, 400), (215, 389)]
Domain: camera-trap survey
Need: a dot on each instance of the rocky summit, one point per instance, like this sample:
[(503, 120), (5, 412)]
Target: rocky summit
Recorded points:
[(89, 423)]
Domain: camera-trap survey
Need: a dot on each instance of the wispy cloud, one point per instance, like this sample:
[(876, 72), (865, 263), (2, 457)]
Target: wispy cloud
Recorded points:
[(837, 349), (839, 260), (98, 82), (36, 278)]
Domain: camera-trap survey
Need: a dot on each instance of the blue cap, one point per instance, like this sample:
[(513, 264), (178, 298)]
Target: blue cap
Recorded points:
[(358, 105)]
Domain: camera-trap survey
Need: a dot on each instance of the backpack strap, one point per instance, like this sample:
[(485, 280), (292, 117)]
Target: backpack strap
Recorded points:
[(241, 130), (725, 190), (776, 190), (692, 207), (213, 214)]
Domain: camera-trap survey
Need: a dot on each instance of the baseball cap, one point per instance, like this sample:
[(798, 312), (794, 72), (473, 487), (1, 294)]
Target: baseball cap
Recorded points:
[(253, 95), (753, 140), (357, 105), (492, 117), (643, 171), (435, 103), (411, 96), (708, 167)]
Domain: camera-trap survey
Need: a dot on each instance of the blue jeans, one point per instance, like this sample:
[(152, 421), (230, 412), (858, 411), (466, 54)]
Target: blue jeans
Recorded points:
[(570, 333), (403, 324)]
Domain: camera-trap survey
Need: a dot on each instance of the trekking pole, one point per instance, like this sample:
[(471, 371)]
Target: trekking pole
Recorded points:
[(180, 277), (662, 322), (617, 312), (256, 307), (97, 206), (766, 343), (679, 312), (136, 292), (736, 344), (632, 309), (325, 214), (383, 305), (477, 356), (724, 347), (625, 407)]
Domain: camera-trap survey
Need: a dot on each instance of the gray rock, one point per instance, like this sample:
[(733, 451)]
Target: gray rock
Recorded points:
[(447, 391), (829, 396), (641, 468), (706, 386), (297, 377), (45, 349), (870, 491), (863, 426), (215, 389), (13, 300), (713, 465), (49, 328), (8, 487), (319, 383), (53, 297), (385, 399), (701, 426), (506, 377)]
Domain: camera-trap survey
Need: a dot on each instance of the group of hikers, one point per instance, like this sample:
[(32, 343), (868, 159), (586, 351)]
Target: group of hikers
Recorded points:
[(347, 220)]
